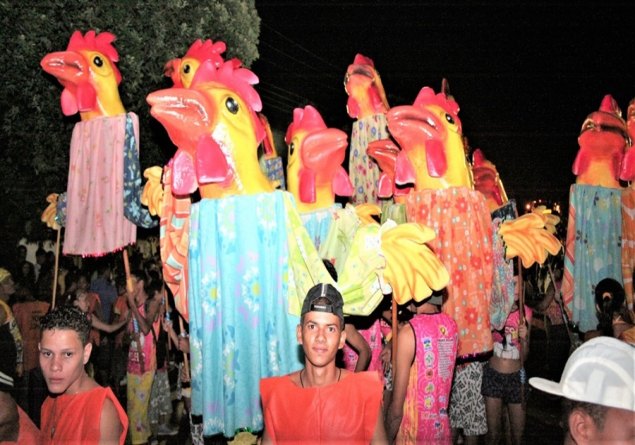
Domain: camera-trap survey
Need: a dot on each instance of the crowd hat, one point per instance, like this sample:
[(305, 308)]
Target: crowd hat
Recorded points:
[(4, 274), (334, 304), (601, 371)]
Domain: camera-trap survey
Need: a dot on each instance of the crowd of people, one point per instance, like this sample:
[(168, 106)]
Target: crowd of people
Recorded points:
[(108, 364)]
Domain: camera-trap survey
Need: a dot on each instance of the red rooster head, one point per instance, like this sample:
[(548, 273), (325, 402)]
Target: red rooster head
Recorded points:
[(88, 72), (216, 129), (603, 141), (183, 70), (316, 152)]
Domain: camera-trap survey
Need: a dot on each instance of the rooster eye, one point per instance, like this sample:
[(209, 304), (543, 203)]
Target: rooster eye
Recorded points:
[(231, 105), (186, 69), (449, 118), (97, 61), (291, 148)]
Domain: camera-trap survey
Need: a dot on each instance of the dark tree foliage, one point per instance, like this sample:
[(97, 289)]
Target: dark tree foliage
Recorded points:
[(35, 135)]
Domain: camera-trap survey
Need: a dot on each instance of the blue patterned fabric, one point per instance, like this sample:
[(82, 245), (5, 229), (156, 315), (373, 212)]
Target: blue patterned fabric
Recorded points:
[(60, 210), (318, 223), (133, 209), (240, 328), (598, 247)]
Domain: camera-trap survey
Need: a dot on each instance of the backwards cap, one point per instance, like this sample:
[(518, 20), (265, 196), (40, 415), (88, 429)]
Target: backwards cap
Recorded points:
[(334, 304), (601, 371)]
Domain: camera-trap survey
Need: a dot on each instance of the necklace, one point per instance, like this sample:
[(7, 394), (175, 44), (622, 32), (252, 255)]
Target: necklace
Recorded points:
[(339, 375), (54, 417)]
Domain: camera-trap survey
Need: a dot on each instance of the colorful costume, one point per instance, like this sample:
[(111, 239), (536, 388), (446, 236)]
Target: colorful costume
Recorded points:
[(425, 418), (364, 172), (142, 365), (344, 412), (374, 336), (75, 418), (507, 387)]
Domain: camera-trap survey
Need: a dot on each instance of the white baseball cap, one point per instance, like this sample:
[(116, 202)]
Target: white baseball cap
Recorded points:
[(600, 371)]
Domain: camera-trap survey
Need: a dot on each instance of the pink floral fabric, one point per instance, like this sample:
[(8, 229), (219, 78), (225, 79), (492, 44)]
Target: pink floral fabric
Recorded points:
[(95, 221)]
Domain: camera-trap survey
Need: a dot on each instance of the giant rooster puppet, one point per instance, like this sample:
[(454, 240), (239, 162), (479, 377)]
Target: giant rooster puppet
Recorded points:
[(249, 258), (315, 174), (367, 104), (103, 191), (430, 167), (594, 232)]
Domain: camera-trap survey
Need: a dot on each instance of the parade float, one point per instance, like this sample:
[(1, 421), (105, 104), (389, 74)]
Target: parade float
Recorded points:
[(250, 260)]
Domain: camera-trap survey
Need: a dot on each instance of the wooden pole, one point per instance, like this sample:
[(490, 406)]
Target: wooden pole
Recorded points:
[(395, 328), (186, 364), (126, 266), (57, 264)]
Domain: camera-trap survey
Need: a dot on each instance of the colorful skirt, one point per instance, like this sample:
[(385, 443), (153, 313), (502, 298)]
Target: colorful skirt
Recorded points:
[(593, 249), (240, 327), (461, 219)]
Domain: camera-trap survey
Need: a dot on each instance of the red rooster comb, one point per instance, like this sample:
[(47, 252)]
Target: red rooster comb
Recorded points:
[(363, 60), (96, 42), (207, 50), (427, 96), (239, 80), (609, 105), (307, 118)]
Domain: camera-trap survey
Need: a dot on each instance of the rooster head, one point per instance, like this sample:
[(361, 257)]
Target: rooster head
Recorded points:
[(88, 72), (182, 70), (366, 95), (315, 154), (603, 141), (216, 129), (430, 136)]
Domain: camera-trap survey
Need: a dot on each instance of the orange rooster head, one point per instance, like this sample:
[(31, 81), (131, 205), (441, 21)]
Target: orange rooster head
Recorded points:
[(88, 72), (603, 141), (215, 127), (314, 171), (366, 95), (432, 148), (182, 70)]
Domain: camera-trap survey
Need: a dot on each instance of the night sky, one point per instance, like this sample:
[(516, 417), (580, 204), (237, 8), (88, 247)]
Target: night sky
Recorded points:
[(525, 74)]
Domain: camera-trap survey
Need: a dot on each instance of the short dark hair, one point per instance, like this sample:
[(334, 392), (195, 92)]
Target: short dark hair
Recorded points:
[(595, 411), (67, 317), (323, 297)]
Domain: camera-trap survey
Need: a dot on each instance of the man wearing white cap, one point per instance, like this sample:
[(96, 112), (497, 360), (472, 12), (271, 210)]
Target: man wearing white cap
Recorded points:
[(598, 387)]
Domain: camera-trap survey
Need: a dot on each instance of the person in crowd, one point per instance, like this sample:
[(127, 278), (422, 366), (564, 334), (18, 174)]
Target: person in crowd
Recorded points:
[(615, 320), (160, 396), (597, 388), (142, 351), (426, 353), (9, 330), (322, 403), (504, 376), (15, 425), (182, 340), (32, 391), (105, 288), (82, 301), (121, 342), (467, 404), (25, 275), (44, 276), (78, 410)]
